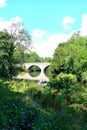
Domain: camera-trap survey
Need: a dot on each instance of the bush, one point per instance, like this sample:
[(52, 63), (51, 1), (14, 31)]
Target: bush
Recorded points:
[(63, 81), (66, 80), (84, 77), (1, 81)]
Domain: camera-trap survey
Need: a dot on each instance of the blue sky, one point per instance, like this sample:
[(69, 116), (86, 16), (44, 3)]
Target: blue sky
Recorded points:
[(49, 22)]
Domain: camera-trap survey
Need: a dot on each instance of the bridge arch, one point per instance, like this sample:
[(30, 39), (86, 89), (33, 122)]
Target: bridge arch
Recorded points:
[(34, 70), (41, 76), (47, 71)]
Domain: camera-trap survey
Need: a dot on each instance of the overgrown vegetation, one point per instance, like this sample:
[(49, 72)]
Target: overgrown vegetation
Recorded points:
[(25, 105), (71, 57)]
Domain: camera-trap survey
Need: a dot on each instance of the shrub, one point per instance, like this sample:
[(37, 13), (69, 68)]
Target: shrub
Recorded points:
[(66, 80), (63, 81), (1, 81), (66, 83), (84, 77)]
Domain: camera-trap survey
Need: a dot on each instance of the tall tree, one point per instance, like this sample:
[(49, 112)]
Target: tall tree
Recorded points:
[(22, 38), (7, 48), (20, 34), (14, 42), (71, 56)]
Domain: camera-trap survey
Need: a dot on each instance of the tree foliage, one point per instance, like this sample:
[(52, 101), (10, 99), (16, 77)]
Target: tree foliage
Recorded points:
[(71, 57), (13, 47), (21, 35), (7, 48), (19, 54), (33, 57)]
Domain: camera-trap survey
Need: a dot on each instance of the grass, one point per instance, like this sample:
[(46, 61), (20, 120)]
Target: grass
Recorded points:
[(25, 105)]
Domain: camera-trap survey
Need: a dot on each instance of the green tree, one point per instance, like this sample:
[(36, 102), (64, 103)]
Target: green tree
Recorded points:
[(47, 59), (13, 48), (33, 57), (71, 56), (7, 48), (20, 34), (19, 54), (22, 41)]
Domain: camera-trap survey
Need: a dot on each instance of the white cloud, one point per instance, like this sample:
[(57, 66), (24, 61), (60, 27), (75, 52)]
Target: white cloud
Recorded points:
[(47, 48), (68, 27), (2, 3), (84, 25), (37, 33), (68, 20)]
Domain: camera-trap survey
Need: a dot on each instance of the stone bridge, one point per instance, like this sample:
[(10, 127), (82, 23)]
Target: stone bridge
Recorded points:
[(41, 76)]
